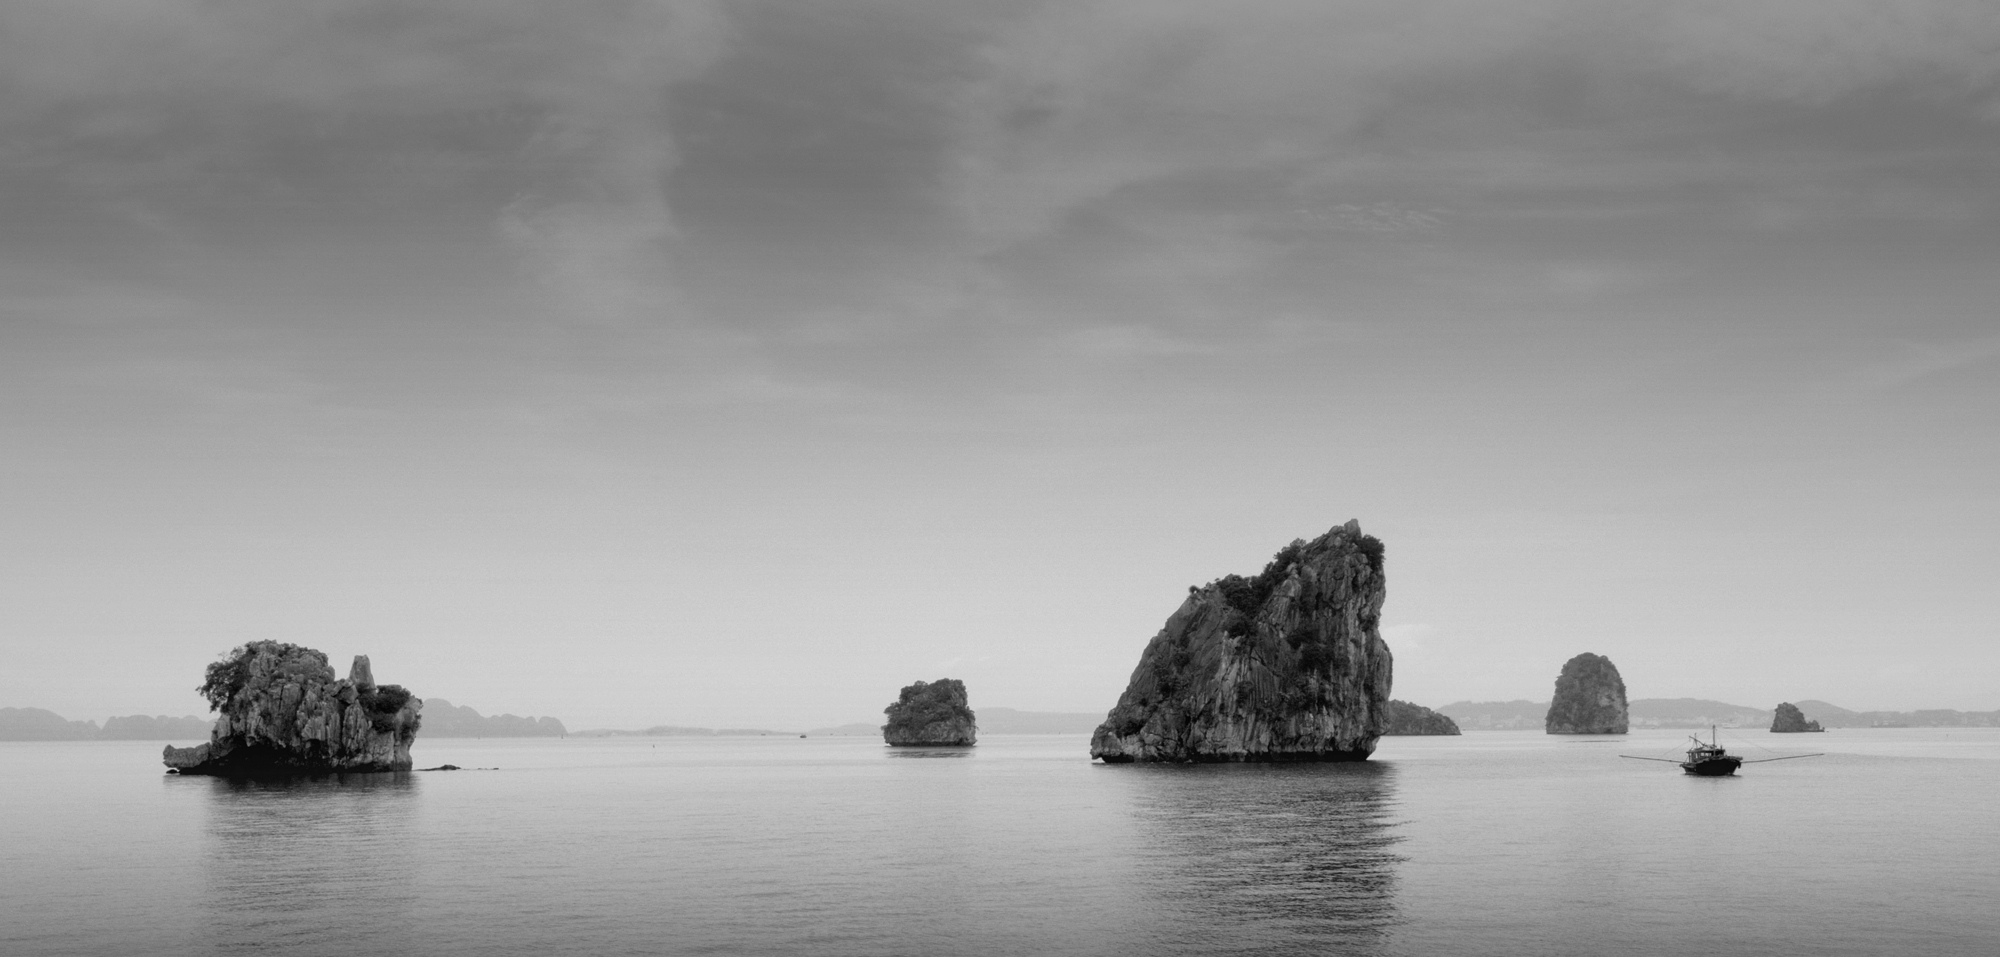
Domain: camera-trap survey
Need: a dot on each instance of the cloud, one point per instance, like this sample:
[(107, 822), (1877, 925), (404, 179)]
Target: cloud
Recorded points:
[(1363, 99), (1813, 52), (553, 114), (1917, 361)]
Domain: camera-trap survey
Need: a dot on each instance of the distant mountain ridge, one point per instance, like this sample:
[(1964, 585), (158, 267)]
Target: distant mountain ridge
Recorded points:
[(40, 724), (1834, 716), (442, 719), (1521, 715)]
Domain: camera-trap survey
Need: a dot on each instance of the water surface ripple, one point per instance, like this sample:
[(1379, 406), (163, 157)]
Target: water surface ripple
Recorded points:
[(1493, 843)]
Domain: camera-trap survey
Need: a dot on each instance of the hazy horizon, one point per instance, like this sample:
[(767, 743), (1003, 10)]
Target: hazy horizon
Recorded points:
[(735, 364)]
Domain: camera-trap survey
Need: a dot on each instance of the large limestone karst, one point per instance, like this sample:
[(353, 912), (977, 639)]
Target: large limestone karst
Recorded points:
[(1788, 719), (931, 713), (282, 712), (1404, 718), (1590, 698), (1286, 666)]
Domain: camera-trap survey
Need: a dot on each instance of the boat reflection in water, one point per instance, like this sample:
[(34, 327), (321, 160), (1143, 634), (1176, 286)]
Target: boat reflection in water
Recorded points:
[(1268, 858)]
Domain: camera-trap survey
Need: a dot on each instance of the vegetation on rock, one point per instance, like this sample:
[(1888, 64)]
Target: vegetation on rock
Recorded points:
[(1589, 698), (281, 711), (931, 713), (1286, 665), (1788, 719), (1406, 718), (228, 677)]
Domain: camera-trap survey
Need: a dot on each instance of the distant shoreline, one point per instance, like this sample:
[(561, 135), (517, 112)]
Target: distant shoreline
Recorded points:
[(1695, 713), (443, 720)]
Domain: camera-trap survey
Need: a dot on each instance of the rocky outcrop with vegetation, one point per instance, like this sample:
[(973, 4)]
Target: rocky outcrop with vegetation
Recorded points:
[(1406, 718), (1287, 666), (1788, 719), (281, 711), (1590, 698), (932, 713)]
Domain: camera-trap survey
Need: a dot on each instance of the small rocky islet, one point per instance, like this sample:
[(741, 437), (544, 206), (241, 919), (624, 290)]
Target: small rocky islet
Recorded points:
[(1788, 719), (281, 711), (1289, 665), (1589, 698), (931, 714), (1405, 719)]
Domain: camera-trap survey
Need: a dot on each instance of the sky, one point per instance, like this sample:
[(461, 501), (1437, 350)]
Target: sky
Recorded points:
[(733, 364)]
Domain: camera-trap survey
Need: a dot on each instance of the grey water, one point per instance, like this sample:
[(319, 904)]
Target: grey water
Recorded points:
[(1491, 843)]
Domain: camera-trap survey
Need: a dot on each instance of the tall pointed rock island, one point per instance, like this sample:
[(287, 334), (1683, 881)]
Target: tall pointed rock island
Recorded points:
[(1589, 698), (1287, 666)]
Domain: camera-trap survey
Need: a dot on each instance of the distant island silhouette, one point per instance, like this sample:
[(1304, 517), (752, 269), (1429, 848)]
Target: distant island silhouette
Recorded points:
[(1523, 715), (442, 719), (1405, 719), (38, 724)]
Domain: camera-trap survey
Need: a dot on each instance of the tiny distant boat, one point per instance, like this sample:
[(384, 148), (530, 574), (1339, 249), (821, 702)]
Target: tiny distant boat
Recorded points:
[(1709, 759)]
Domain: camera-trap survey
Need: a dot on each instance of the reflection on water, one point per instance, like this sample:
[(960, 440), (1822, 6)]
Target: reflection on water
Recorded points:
[(1270, 858), (939, 751), (308, 865)]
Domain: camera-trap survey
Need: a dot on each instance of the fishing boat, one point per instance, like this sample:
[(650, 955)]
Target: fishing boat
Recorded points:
[(1709, 759)]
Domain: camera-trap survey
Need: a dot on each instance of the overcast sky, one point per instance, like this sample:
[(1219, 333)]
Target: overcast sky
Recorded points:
[(737, 363)]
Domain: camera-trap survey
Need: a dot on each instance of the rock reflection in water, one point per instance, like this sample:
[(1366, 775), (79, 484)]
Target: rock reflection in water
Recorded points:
[(1250, 858), (905, 751), (325, 865)]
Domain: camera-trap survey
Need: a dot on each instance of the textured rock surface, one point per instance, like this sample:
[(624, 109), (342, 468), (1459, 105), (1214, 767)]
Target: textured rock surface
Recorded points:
[(1590, 698), (1287, 666), (1406, 718), (282, 712), (1790, 720), (931, 713)]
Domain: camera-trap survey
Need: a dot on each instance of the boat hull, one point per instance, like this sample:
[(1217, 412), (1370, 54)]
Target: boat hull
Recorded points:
[(1712, 767)]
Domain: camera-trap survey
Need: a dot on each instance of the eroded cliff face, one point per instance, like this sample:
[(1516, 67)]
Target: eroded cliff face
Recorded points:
[(1287, 666), (282, 711), (1589, 699), (931, 713)]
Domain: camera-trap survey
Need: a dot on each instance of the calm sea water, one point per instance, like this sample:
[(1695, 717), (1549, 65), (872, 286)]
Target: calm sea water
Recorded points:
[(1490, 843)]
